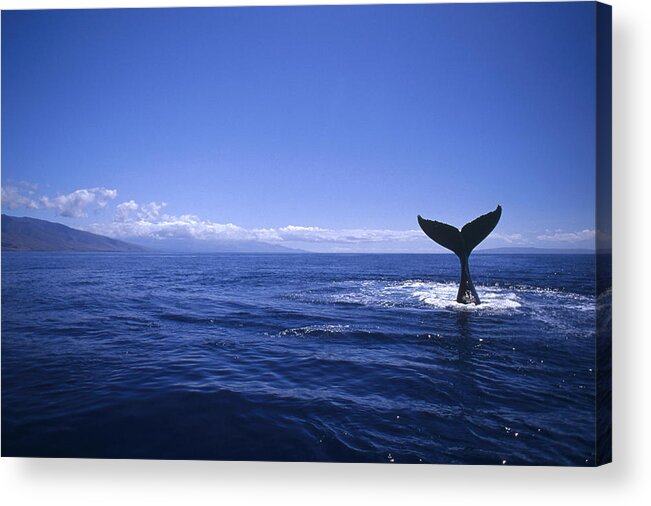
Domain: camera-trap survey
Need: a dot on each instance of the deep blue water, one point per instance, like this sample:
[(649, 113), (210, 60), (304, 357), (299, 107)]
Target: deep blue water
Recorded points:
[(363, 358)]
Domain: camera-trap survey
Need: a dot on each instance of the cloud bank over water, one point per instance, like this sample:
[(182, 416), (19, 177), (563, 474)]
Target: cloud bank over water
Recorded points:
[(148, 221), (133, 220), (560, 236)]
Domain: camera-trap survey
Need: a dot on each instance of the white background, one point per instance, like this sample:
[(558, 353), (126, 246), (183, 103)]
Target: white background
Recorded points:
[(626, 481)]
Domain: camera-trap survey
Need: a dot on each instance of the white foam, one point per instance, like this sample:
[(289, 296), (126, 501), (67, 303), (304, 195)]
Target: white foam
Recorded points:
[(443, 296), (545, 304), (563, 312), (315, 329)]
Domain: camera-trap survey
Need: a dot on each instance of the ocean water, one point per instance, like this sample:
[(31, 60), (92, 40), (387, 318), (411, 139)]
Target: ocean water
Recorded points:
[(309, 357)]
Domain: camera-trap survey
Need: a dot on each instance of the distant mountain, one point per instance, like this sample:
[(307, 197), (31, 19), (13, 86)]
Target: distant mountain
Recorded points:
[(30, 234), (535, 251), (208, 246)]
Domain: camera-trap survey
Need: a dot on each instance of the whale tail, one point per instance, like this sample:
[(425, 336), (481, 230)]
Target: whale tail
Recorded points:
[(462, 242)]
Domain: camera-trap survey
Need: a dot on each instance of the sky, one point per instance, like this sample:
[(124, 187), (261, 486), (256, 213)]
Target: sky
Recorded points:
[(324, 128)]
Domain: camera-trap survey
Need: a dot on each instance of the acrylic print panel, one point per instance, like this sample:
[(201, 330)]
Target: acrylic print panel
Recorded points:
[(339, 234)]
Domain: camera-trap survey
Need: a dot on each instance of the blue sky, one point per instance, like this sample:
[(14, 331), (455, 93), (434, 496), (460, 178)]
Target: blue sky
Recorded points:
[(328, 128)]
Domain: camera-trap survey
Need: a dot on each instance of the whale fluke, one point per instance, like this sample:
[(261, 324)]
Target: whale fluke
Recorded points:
[(462, 242)]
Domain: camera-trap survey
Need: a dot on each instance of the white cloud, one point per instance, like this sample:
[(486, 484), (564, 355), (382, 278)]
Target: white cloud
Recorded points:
[(14, 197), (75, 204), (71, 205), (123, 211), (131, 211), (510, 238), (560, 236), (318, 234), (146, 221)]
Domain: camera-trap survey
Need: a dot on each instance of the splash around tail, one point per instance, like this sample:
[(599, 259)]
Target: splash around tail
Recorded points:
[(462, 242)]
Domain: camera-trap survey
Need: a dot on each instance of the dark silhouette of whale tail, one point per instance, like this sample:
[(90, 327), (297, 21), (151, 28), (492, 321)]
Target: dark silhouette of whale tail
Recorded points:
[(462, 242)]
